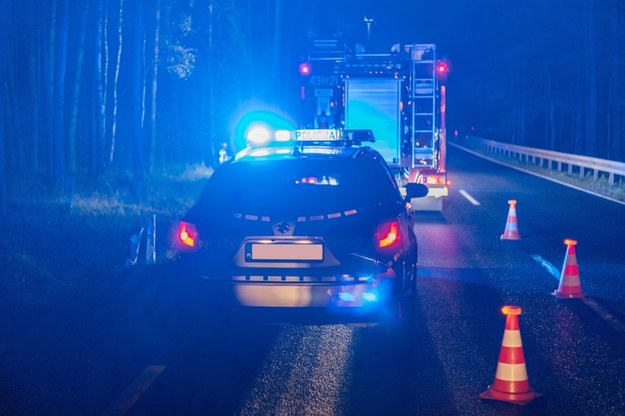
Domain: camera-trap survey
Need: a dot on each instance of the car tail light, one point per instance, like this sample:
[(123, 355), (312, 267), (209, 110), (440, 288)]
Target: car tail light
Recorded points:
[(387, 234), (187, 234), (433, 180)]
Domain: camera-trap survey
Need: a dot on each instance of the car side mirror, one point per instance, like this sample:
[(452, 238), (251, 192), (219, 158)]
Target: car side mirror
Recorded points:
[(415, 190)]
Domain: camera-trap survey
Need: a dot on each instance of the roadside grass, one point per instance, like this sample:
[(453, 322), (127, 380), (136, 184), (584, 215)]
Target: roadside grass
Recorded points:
[(52, 250), (600, 186)]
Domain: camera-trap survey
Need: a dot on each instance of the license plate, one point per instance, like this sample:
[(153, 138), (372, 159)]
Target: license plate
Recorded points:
[(283, 252)]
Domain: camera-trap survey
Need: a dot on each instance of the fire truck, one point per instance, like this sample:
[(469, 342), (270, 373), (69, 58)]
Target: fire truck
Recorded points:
[(399, 94)]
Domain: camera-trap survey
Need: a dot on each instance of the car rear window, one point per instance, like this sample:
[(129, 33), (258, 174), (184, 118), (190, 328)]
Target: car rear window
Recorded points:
[(302, 186)]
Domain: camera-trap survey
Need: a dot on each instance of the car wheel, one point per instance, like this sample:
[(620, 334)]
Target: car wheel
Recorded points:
[(401, 319), (400, 322)]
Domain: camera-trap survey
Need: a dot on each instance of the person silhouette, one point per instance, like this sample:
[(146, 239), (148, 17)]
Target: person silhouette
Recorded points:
[(224, 155)]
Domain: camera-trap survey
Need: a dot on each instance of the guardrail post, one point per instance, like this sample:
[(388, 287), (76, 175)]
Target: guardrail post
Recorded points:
[(134, 248), (143, 239), (150, 248)]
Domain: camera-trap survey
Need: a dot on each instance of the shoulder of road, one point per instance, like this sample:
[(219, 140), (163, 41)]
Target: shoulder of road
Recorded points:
[(588, 184)]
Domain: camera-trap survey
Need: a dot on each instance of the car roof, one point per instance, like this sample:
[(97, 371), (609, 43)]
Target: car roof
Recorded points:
[(309, 151)]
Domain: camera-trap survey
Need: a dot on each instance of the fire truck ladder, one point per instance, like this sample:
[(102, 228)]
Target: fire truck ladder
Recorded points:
[(423, 97)]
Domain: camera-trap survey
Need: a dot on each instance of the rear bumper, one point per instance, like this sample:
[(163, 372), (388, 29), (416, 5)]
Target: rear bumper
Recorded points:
[(369, 285), (365, 294), (427, 203), (437, 191)]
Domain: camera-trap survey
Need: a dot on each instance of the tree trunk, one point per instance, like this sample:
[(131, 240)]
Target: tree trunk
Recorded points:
[(4, 43), (591, 80), (578, 105), (49, 69), (58, 151), (138, 164), (211, 88), (34, 64), (515, 88), (277, 39), (144, 77), (98, 160), (115, 83), (157, 31), (73, 119), (15, 157), (616, 95), (550, 121), (17, 110)]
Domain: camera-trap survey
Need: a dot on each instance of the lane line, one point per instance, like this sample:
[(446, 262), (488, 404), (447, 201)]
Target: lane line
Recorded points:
[(469, 197), (129, 397), (547, 265), (604, 314)]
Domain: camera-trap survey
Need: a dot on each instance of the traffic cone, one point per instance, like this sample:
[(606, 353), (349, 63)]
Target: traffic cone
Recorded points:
[(569, 287), (512, 231), (511, 383)]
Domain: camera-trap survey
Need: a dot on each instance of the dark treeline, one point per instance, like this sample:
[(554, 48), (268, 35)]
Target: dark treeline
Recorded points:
[(120, 86), (548, 74), (125, 87)]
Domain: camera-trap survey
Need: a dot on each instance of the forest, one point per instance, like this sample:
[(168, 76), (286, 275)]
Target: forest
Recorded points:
[(94, 86), (126, 88)]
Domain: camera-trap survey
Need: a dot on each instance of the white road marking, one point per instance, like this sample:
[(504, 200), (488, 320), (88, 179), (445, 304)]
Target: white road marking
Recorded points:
[(547, 265), (134, 391), (591, 303), (605, 315), (469, 197)]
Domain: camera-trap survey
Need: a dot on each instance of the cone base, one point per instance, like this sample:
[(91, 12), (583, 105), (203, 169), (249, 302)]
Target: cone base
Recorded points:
[(520, 399), (562, 295), (509, 237)]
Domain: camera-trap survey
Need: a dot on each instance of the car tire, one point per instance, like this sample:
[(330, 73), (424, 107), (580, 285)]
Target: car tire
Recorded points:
[(400, 322), (401, 319)]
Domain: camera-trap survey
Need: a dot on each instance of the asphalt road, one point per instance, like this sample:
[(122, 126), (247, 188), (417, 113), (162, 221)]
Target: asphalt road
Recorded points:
[(149, 346)]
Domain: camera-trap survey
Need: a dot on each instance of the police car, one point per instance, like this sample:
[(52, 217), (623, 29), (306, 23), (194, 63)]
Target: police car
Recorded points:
[(313, 220)]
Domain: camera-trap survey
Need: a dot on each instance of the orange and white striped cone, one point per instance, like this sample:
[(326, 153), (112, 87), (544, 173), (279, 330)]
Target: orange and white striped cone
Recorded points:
[(511, 383), (512, 230), (569, 287)]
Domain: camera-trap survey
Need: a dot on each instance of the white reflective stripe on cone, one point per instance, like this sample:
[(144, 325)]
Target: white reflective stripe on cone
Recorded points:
[(511, 372), (511, 339), (570, 281)]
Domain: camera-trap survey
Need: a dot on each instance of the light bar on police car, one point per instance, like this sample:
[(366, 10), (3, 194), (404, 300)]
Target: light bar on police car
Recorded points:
[(260, 136), (328, 135)]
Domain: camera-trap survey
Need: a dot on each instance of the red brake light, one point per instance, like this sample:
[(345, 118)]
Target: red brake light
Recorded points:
[(432, 180), (304, 69), (187, 234), (387, 234)]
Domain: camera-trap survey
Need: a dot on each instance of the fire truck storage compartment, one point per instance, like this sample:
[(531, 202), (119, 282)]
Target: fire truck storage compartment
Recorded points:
[(373, 103)]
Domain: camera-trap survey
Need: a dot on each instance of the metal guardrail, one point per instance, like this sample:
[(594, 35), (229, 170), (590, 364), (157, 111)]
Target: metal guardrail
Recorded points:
[(574, 164)]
